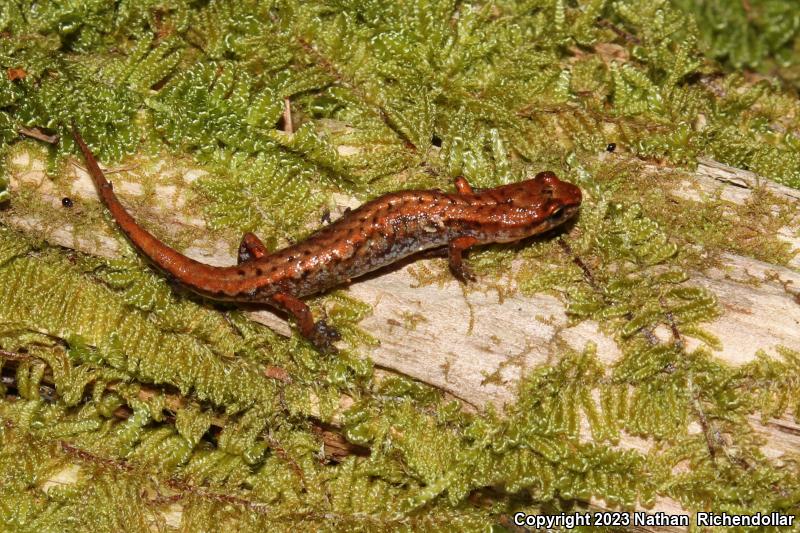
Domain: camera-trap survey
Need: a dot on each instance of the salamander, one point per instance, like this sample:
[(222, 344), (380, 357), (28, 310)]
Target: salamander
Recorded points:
[(376, 234)]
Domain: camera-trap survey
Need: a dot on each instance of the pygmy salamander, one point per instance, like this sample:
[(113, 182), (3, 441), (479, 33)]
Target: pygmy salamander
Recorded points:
[(376, 234)]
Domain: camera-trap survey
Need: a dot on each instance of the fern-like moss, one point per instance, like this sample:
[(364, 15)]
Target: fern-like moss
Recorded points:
[(165, 412)]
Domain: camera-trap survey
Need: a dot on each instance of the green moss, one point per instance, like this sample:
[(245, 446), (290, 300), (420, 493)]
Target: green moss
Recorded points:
[(706, 227), (758, 34), (162, 399)]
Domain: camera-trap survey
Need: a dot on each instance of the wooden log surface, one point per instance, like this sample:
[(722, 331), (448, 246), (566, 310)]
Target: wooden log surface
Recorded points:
[(455, 338)]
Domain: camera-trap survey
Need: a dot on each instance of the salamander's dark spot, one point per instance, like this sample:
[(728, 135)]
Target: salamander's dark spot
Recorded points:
[(420, 199), (307, 252), (362, 219), (273, 269), (241, 272), (290, 259), (259, 272)]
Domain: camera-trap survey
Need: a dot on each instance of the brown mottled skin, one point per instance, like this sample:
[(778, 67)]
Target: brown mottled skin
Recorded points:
[(376, 234)]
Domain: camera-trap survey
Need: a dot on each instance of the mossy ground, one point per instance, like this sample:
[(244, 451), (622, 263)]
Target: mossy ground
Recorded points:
[(164, 402)]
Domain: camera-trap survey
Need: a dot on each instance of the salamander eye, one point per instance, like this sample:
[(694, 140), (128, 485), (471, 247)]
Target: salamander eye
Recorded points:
[(557, 212)]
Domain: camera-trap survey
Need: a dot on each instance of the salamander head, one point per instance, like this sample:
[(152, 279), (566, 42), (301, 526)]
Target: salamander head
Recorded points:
[(533, 206)]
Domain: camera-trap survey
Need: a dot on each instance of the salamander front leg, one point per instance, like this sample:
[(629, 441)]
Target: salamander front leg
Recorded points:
[(251, 248), (320, 334), (463, 186), (456, 250)]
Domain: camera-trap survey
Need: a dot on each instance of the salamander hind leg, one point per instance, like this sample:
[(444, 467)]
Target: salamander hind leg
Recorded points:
[(320, 334), (251, 248), (456, 251)]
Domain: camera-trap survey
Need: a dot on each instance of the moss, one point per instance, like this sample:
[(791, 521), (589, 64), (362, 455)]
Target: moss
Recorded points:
[(704, 228), (168, 403), (761, 34)]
